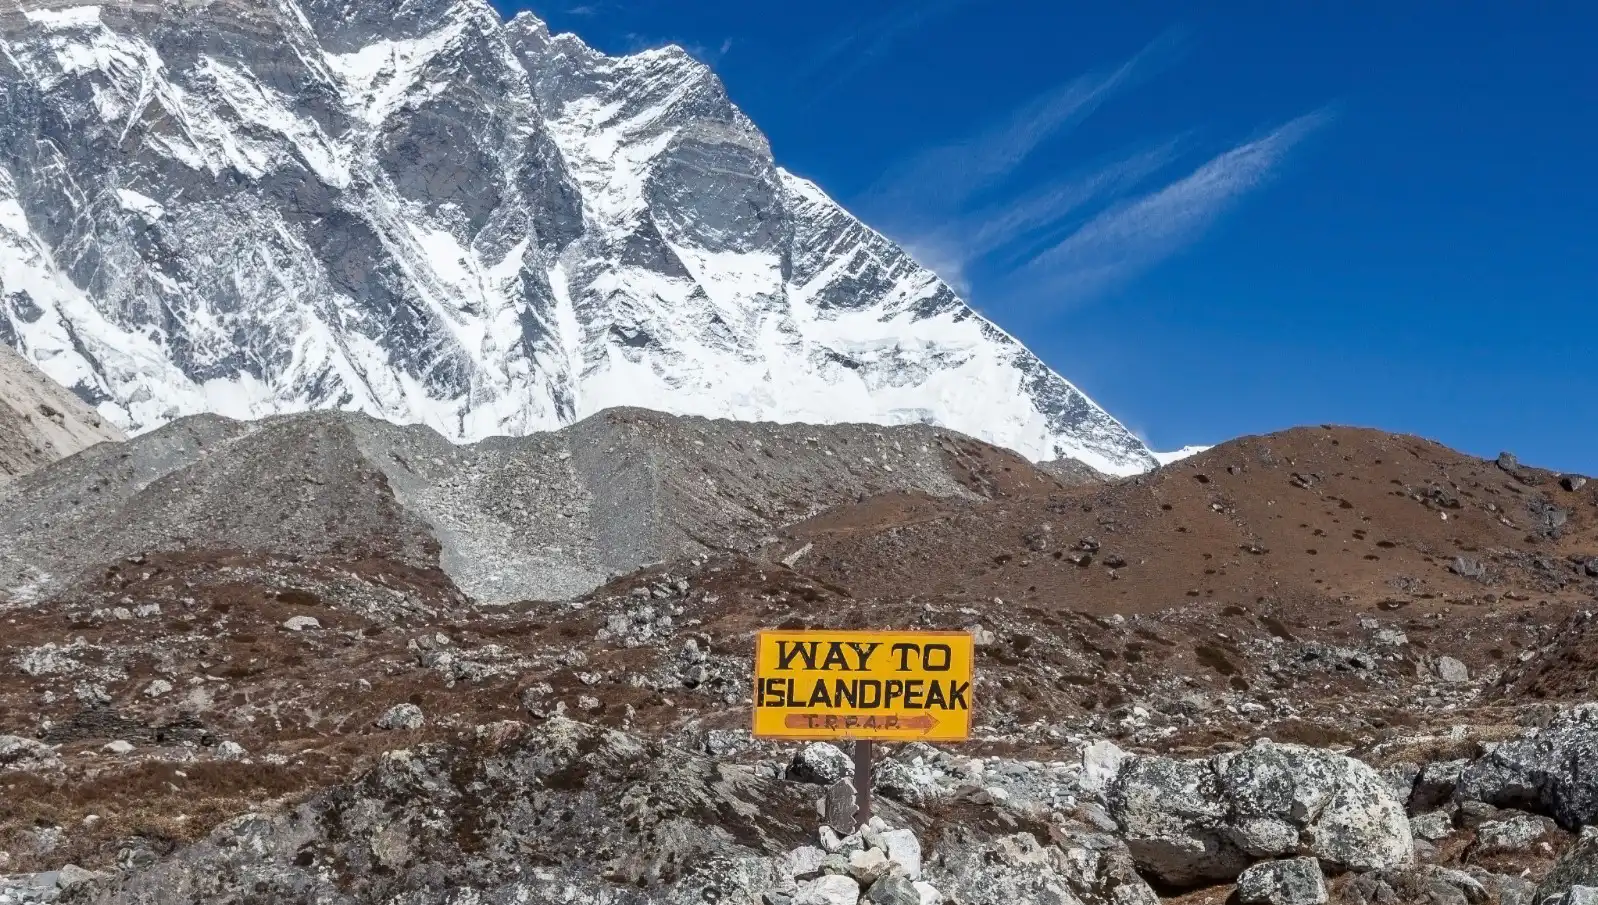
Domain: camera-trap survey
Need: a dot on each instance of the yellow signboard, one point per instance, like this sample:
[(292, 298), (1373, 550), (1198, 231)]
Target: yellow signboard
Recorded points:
[(883, 686)]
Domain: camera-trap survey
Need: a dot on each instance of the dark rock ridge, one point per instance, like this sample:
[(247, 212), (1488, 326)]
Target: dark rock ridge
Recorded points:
[(417, 210)]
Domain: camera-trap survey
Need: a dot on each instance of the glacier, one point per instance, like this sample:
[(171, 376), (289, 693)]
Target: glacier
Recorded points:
[(421, 211)]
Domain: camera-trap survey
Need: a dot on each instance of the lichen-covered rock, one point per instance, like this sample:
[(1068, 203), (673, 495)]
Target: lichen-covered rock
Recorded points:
[(1578, 867), (1295, 881), (1174, 819), (1435, 784), (903, 850), (1554, 772), (1516, 833), (894, 891), (401, 716), (820, 763), (1086, 868), (18, 753), (833, 889), (1428, 885), (1431, 826), (1190, 822)]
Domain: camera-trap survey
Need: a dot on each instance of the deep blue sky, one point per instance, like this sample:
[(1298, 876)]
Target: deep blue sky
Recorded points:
[(1215, 222)]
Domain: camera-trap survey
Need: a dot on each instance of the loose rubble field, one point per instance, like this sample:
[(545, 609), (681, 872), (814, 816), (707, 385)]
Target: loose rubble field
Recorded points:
[(1325, 660)]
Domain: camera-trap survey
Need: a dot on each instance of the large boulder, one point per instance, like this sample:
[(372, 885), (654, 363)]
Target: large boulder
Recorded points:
[(1197, 821), (1174, 819), (1554, 772)]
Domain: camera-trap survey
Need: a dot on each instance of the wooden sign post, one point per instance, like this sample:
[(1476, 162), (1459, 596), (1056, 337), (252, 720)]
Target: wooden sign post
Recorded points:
[(863, 687), (862, 781)]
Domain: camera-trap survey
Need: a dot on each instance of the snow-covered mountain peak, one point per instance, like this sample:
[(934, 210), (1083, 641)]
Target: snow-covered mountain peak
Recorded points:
[(415, 209)]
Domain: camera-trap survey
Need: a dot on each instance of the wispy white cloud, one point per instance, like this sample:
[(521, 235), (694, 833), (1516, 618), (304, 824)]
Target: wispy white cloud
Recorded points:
[(974, 211), (851, 50), (944, 178), (1013, 229), (1000, 225), (1129, 237)]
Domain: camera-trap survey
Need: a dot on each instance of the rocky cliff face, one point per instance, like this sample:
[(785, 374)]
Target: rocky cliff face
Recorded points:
[(417, 210)]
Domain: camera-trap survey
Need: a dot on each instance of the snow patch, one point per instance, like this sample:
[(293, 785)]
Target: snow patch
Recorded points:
[(72, 17), (1166, 458), (142, 205)]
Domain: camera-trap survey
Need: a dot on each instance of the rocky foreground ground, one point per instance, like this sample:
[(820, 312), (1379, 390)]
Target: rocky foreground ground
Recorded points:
[(1324, 665)]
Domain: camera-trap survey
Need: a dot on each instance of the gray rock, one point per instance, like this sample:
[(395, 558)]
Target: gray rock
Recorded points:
[(1400, 779), (1572, 482), (894, 891), (1435, 784), (803, 863), (840, 807), (1452, 671), (1429, 885), (401, 717), (18, 753), (71, 876), (821, 763), (1554, 772), (1548, 519), (1472, 889), (1432, 826), (1516, 834), (908, 783), (868, 865), (1468, 567), (301, 623), (1514, 890), (1296, 881), (1265, 837), (1578, 895), (1370, 889), (1577, 867), (1425, 852), (118, 747), (1188, 822), (1173, 816), (1078, 867), (904, 849), (833, 889), (1472, 814), (1101, 761)]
